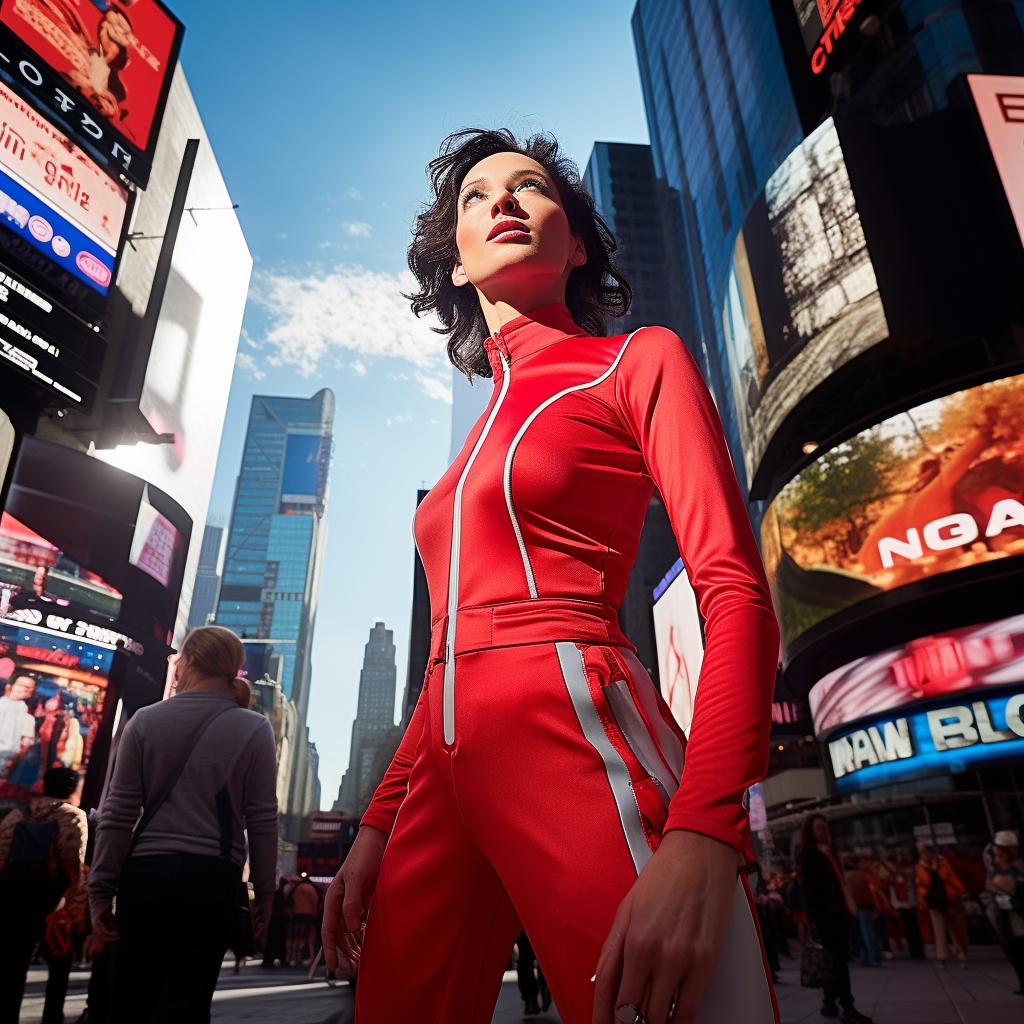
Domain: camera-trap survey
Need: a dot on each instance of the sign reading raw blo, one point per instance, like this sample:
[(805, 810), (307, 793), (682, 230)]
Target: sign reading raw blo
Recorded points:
[(100, 68), (937, 488)]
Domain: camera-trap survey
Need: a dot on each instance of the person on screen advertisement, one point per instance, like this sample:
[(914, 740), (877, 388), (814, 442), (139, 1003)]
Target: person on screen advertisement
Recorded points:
[(527, 542)]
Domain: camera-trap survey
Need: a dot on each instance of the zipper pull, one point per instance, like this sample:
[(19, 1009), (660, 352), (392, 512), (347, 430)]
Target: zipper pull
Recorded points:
[(502, 346)]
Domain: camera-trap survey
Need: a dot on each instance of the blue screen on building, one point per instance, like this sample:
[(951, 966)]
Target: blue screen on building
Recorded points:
[(301, 465)]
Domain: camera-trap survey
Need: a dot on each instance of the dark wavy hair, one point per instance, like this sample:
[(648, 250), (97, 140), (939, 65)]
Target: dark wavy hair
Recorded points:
[(595, 291)]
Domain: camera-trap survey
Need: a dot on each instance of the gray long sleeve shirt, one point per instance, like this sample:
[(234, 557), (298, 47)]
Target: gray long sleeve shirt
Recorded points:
[(236, 752)]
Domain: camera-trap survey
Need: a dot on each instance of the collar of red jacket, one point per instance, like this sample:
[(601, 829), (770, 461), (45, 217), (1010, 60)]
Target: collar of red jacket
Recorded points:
[(532, 332)]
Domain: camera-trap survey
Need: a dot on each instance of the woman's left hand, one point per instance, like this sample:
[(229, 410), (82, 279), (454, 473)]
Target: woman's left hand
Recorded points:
[(668, 934)]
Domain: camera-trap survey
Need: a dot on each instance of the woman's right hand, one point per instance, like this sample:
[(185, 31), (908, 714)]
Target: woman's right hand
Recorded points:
[(349, 896)]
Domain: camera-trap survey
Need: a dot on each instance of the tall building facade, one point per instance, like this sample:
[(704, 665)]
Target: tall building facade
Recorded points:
[(206, 590), (274, 558), (375, 717), (850, 212)]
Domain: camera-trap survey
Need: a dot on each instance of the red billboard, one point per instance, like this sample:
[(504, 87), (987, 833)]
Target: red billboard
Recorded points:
[(112, 60)]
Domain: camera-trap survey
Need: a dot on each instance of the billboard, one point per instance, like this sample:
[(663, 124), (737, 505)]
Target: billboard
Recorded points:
[(937, 737), (932, 666), (928, 491), (301, 477), (99, 68), (680, 642), (54, 689), (1000, 103), (188, 376), (801, 296)]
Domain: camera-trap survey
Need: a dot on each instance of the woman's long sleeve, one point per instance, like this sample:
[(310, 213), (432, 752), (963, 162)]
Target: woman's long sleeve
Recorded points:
[(670, 412), (391, 792), (260, 811)]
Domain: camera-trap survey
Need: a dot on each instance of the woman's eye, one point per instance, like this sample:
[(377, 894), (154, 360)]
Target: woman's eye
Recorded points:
[(470, 196), (532, 183)]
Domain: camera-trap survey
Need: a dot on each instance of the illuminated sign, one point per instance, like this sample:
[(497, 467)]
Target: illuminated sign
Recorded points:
[(822, 24), (801, 297), (1000, 103), (935, 489), (99, 68), (47, 343), (928, 667), (939, 738), (680, 643), (56, 198)]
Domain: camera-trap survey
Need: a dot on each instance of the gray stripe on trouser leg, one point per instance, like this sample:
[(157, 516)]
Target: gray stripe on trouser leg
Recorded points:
[(570, 658)]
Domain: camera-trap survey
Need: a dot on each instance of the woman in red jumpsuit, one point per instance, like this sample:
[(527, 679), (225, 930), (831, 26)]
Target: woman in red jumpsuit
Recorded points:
[(541, 782)]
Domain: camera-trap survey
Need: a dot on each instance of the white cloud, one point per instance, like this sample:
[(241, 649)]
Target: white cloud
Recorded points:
[(359, 228), (325, 245), (248, 365), (353, 193), (323, 315)]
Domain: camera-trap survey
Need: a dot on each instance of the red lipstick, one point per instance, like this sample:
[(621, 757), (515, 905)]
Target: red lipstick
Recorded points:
[(508, 231)]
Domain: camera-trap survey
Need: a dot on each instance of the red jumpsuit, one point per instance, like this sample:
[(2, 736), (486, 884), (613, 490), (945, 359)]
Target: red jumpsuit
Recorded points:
[(541, 766)]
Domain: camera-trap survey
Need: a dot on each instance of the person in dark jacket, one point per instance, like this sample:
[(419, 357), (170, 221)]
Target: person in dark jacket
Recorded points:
[(829, 907)]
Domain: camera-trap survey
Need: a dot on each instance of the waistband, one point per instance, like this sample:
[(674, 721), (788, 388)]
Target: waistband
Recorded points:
[(536, 621)]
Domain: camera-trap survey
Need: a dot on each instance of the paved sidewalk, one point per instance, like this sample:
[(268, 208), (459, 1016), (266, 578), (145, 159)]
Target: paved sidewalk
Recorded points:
[(914, 992)]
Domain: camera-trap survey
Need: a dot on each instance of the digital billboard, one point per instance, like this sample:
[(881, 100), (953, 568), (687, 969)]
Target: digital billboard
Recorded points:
[(1000, 103), (937, 488), (52, 694), (937, 737), (931, 666), (56, 198), (301, 477), (801, 296), (680, 643), (157, 546), (99, 68)]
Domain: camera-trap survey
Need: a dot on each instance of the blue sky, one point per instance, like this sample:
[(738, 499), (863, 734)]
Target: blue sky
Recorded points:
[(323, 116)]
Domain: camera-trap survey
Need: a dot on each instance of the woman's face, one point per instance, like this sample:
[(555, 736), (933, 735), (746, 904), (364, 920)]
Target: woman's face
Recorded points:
[(820, 831), (512, 233)]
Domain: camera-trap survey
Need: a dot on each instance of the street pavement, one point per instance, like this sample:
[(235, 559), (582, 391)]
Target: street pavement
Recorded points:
[(899, 992)]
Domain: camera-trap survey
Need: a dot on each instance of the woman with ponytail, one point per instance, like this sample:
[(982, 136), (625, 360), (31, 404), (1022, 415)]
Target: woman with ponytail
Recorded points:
[(193, 779)]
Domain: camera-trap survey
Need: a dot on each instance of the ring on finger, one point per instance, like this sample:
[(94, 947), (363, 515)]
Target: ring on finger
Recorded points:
[(622, 1014)]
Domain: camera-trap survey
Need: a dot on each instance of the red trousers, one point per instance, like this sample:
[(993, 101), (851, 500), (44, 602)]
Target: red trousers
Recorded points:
[(539, 814)]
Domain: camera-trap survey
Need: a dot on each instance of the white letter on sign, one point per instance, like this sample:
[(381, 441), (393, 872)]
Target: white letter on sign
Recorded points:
[(1014, 718), (842, 757), (962, 530), (909, 548), (960, 732), (1006, 513)]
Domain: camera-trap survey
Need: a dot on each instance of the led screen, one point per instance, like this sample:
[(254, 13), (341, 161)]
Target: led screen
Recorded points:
[(156, 543), (301, 468), (928, 667), (802, 298), (937, 737), (53, 692), (822, 24), (937, 488), (100, 67), (680, 642)]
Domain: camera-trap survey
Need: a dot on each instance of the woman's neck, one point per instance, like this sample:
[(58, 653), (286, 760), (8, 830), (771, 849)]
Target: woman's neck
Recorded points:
[(500, 311), (209, 684)]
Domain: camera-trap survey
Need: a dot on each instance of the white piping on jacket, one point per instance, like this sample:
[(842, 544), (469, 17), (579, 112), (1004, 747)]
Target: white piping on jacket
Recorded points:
[(448, 690), (531, 582)]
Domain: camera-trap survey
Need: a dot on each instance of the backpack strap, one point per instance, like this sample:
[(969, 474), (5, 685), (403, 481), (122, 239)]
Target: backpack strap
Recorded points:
[(152, 804)]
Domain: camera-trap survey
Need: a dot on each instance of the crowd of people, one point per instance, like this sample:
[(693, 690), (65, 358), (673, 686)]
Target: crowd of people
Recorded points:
[(870, 907)]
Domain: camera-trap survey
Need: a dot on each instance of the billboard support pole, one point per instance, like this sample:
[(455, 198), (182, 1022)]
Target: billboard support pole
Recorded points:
[(146, 332)]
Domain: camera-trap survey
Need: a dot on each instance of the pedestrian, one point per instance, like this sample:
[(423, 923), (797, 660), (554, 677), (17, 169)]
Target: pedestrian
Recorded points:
[(275, 941), (864, 921), (303, 904), (830, 908), (42, 851), (938, 892), (201, 769), (903, 896), (530, 978), (1006, 883), (626, 868)]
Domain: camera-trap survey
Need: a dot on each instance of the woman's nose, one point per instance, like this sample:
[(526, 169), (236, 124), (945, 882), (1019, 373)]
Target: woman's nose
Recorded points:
[(505, 204)]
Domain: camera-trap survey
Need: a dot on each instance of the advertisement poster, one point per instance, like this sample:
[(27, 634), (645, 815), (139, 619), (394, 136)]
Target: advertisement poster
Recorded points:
[(115, 54), (1000, 102), (52, 692), (932, 666), (680, 642), (802, 298), (937, 488)]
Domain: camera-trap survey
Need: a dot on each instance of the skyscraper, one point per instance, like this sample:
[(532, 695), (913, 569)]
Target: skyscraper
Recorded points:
[(274, 557), (375, 717), (207, 586)]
